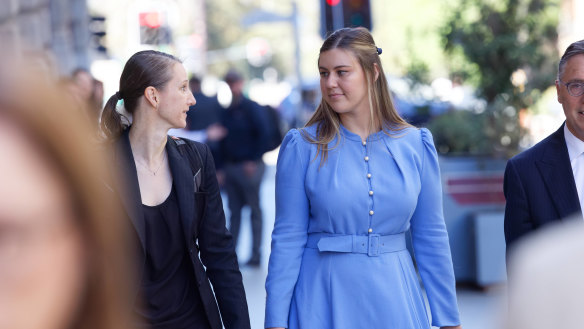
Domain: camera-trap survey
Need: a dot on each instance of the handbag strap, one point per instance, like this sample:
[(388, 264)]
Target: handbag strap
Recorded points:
[(194, 156), (195, 159)]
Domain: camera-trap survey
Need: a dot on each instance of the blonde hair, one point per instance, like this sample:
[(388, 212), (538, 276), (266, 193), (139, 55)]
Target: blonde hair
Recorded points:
[(383, 113)]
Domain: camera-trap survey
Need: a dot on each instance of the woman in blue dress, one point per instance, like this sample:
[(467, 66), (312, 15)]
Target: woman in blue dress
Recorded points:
[(348, 187)]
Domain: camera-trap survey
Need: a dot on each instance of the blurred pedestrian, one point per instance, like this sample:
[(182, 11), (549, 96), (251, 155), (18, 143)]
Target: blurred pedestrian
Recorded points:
[(83, 80), (206, 112), (89, 93), (546, 182), (63, 251), (309, 104), (173, 202), (205, 117), (241, 156), (348, 187)]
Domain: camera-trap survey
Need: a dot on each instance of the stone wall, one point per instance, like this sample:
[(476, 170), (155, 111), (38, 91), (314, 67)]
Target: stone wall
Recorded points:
[(53, 30)]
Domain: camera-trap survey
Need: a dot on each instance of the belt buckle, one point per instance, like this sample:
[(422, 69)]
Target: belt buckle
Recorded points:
[(373, 245)]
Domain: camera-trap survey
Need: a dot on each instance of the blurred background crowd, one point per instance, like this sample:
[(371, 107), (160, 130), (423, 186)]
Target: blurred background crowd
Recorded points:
[(478, 73), (448, 62)]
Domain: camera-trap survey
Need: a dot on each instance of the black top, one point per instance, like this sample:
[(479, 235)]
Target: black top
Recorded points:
[(246, 132), (168, 282), (206, 112), (215, 247)]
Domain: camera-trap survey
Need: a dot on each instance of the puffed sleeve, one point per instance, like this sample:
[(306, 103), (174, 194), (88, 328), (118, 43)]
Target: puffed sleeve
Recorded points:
[(430, 240), (290, 229)]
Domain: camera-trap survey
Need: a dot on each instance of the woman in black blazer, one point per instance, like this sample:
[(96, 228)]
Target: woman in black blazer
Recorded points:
[(171, 196)]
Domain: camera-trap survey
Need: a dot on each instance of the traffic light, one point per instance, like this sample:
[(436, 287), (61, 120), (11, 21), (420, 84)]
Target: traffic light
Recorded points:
[(153, 29), (97, 33), (357, 13), (336, 14)]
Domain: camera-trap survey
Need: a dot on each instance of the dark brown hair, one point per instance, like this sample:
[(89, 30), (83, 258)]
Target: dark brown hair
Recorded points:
[(58, 129), (383, 113), (144, 69)]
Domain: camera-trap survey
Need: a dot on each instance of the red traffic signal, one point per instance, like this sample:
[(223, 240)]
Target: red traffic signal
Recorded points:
[(150, 19), (154, 29)]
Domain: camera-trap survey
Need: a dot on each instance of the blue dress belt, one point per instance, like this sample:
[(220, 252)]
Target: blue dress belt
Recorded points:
[(371, 244)]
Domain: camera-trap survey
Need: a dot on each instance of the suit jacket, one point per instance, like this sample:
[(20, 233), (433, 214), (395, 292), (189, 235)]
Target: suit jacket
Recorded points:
[(539, 187), (207, 239)]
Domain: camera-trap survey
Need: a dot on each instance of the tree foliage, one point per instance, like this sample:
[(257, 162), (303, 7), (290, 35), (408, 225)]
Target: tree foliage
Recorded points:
[(459, 132), (501, 38), (226, 32), (508, 49)]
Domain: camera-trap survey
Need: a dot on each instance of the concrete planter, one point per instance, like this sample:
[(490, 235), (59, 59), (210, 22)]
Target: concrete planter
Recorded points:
[(473, 210)]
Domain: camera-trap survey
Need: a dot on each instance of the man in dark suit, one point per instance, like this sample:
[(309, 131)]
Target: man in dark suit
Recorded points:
[(241, 153), (546, 183)]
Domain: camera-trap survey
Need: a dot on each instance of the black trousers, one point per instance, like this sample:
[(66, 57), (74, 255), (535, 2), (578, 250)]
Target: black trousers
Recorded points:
[(244, 189)]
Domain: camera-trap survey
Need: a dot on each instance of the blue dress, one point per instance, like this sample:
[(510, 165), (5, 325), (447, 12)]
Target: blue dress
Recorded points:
[(338, 255)]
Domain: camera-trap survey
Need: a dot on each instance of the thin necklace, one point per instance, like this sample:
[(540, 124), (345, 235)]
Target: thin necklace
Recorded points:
[(159, 166)]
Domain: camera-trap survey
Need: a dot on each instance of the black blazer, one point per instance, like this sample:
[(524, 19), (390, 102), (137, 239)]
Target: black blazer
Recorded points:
[(539, 187), (206, 235)]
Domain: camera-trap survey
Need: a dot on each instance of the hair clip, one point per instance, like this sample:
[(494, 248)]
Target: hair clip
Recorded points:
[(379, 51), (118, 95)]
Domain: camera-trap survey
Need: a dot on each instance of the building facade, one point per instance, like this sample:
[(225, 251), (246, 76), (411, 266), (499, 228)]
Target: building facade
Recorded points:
[(55, 31), (571, 27)]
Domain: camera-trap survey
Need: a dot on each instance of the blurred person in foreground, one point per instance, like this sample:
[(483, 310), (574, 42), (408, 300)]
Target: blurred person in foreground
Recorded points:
[(348, 187), (63, 255), (547, 273), (173, 203), (546, 183), (240, 153)]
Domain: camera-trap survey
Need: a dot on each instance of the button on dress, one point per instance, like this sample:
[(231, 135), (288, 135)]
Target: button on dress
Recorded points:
[(338, 256)]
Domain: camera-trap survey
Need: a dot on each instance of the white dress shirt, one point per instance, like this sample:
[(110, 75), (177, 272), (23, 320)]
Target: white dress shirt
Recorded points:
[(576, 152)]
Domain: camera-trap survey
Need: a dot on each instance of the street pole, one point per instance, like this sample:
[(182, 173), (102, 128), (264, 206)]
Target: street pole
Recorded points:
[(200, 28), (338, 16), (297, 53), (266, 17)]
